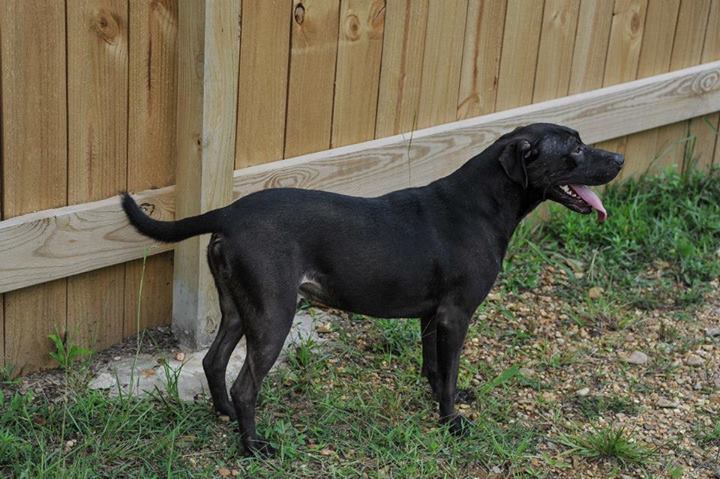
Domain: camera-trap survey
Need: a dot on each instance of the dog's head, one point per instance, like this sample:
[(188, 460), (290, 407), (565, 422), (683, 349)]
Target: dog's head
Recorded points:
[(551, 162)]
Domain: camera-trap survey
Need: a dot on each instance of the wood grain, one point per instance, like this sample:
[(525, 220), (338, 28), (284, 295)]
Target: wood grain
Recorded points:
[(442, 62), (152, 106), (357, 74), (208, 55), (97, 153), (519, 55), (364, 169), (262, 89), (623, 52), (658, 37), (674, 140), (591, 45), (34, 165), (557, 41), (401, 71), (705, 131), (313, 52), (481, 57)]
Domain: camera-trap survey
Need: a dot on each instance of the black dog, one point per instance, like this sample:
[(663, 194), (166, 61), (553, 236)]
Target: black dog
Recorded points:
[(431, 252)]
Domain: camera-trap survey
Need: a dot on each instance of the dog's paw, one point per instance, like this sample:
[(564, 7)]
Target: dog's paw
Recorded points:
[(459, 425), (465, 396), (259, 448)]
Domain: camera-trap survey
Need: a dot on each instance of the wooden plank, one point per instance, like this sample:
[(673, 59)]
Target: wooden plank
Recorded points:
[(401, 70), (97, 153), (51, 244), (357, 74), (34, 166), (262, 89), (687, 50), (481, 57), (591, 44), (640, 148), (705, 130), (623, 54), (314, 36), (557, 41), (152, 98), (518, 63), (442, 61), (208, 56)]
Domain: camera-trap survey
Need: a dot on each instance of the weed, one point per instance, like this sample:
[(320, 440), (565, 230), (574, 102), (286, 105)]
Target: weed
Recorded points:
[(593, 407), (607, 443), (67, 353)]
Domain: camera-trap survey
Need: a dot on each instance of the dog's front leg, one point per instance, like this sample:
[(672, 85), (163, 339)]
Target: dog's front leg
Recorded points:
[(452, 326), (428, 333)]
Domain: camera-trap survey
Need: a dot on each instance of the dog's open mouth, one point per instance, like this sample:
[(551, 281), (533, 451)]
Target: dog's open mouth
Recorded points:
[(579, 198)]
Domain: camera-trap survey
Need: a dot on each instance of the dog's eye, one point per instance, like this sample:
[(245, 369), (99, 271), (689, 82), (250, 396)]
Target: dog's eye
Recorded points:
[(578, 150)]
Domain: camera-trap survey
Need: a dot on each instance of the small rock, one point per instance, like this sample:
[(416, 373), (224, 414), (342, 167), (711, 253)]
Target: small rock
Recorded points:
[(180, 356), (666, 404), (595, 292), (637, 357), (527, 372), (224, 472), (549, 397), (323, 328), (496, 470), (712, 332), (326, 452), (117, 358), (224, 418), (583, 392), (694, 360)]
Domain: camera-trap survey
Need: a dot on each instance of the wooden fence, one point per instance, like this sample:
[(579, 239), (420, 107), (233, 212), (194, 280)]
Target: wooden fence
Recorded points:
[(104, 95)]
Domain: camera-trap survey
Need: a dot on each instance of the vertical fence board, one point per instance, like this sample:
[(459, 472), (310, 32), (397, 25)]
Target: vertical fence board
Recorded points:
[(705, 130), (519, 56), (621, 64), (591, 45), (687, 50), (440, 82), (263, 81), (34, 164), (208, 62), (152, 95), (401, 68), (557, 41), (357, 74), (313, 52), (97, 153), (481, 57), (658, 37)]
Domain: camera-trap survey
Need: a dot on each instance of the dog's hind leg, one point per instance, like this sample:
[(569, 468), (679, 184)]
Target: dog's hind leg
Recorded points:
[(230, 331), (265, 335)]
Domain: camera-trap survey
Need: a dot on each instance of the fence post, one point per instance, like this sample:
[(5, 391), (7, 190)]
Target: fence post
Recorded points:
[(208, 57)]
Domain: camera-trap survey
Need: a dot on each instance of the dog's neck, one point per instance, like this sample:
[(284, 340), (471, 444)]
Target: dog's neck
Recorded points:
[(509, 201)]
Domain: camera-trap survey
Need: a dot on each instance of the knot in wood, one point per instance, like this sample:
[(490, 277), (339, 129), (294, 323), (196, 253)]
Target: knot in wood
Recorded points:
[(299, 13), (352, 27), (707, 82), (105, 25)]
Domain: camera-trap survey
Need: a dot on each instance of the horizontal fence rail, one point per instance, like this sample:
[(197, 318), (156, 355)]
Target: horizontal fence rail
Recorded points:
[(57, 243)]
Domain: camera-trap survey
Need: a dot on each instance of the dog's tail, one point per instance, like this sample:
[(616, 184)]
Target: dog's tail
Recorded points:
[(170, 231)]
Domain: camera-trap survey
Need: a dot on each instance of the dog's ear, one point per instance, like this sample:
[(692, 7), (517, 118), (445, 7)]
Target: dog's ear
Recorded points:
[(512, 159)]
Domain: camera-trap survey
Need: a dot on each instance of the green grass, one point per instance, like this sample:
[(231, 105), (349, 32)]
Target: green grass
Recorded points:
[(662, 234), (607, 443), (358, 406)]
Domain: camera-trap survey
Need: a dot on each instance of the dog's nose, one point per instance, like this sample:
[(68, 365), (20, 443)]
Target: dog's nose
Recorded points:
[(619, 159)]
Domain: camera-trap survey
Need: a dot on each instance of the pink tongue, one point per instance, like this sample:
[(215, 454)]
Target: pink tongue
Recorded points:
[(592, 199)]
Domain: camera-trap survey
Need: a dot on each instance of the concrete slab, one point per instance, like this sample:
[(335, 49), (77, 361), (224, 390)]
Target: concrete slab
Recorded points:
[(144, 374)]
